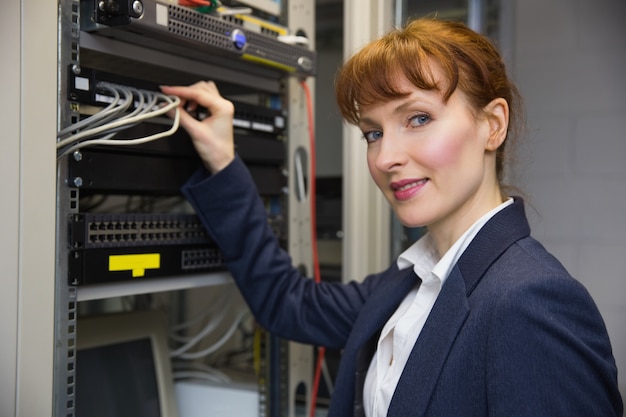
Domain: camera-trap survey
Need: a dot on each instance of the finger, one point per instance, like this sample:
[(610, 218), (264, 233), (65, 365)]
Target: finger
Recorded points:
[(203, 93), (187, 121)]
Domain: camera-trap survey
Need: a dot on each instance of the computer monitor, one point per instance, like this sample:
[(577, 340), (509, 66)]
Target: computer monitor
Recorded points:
[(123, 366)]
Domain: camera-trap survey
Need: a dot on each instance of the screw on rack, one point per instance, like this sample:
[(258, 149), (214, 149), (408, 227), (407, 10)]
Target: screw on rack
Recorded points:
[(78, 182)]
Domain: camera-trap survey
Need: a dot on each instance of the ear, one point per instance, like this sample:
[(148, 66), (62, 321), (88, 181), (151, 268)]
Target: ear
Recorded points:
[(497, 113)]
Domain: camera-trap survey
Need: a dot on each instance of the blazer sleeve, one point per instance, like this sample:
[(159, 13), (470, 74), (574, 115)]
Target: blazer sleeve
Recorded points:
[(283, 301), (548, 351)]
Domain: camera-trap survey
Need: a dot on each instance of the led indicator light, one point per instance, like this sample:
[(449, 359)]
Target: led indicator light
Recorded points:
[(239, 39)]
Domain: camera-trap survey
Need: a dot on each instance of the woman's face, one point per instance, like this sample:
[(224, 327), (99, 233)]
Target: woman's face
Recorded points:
[(432, 160)]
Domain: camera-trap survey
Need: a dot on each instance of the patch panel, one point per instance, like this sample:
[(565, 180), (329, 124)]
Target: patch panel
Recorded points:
[(83, 88), (98, 230), (201, 259)]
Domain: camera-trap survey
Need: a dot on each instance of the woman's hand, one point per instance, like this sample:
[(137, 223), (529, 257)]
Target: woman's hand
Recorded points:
[(213, 136)]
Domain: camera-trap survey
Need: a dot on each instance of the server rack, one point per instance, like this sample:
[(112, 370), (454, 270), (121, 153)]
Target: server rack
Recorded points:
[(144, 44)]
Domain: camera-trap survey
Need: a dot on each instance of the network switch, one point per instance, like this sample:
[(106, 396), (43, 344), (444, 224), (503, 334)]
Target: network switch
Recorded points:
[(100, 265), (108, 247), (187, 32)]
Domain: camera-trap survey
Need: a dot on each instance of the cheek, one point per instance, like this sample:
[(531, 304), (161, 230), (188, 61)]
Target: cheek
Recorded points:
[(444, 151), (371, 166)]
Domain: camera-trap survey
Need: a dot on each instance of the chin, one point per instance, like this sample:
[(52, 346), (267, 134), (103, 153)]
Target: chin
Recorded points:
[(412, 222), (413, 215)]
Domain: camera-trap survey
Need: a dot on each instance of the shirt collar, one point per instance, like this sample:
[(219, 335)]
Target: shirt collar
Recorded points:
[(421, 255), (424, 258)]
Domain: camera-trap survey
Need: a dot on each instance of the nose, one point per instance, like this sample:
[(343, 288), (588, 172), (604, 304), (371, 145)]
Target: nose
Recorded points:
[(390, 154)]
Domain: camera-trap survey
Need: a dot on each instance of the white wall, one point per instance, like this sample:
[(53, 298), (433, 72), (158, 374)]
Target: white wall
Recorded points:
[(9, 210), (27, 179), (569, 61)]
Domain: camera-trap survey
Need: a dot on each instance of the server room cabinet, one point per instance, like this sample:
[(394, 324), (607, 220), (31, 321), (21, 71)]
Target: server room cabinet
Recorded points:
[(123, 229)]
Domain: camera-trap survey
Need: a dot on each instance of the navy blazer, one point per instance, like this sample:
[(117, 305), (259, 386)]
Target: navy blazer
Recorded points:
[(511, 333)]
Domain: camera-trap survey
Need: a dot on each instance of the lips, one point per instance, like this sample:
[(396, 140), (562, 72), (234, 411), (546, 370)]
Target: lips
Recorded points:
[(405, 189)]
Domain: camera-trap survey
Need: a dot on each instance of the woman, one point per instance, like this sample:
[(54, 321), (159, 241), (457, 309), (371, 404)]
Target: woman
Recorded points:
[(474, 319)]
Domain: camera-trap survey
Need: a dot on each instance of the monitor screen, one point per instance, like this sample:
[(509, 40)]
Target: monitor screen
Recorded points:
[(123, 366)]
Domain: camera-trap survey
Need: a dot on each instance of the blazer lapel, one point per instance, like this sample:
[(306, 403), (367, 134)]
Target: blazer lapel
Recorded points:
[(382, 305), (504, 229), (419, 378)]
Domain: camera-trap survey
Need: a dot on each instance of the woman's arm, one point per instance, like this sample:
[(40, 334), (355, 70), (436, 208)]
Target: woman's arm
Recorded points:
[(283, 301), (227, 202)]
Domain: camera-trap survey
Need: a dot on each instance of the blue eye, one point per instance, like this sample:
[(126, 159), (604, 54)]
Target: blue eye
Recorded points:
[(372, 135), (419, 120)]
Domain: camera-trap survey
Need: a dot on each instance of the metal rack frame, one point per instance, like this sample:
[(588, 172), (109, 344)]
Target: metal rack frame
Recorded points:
[(76, 46)]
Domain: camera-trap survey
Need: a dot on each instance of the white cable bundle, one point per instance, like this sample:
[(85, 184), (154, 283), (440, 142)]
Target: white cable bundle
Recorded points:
[(199, 371), (100, 128), (183, 351)]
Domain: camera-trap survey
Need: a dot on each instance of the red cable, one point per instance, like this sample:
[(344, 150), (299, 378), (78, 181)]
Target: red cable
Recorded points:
[(312, 191), (195, 3), (316, 264)]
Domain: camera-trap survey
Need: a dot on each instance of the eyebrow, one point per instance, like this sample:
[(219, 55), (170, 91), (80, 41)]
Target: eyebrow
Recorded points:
[(408, 102), (366, 121)]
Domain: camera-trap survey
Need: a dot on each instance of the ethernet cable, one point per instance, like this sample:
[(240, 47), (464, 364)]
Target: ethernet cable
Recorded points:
[(100, 128), (198, 371), (221, 307), (183, 352), (104, 132), (208, 328), (112, 109)]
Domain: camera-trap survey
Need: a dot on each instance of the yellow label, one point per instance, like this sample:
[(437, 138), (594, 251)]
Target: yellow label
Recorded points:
[(135, 263), (264, 61), (281, 30)]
